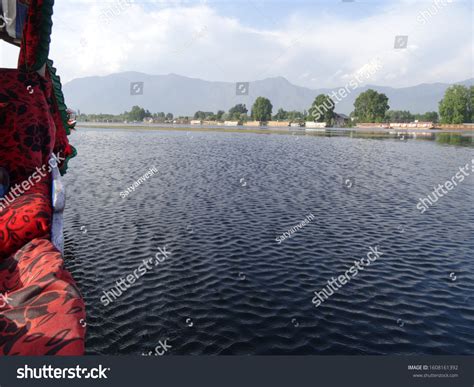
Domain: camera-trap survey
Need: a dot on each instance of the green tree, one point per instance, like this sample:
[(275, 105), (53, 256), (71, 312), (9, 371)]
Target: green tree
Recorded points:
[(295, 115), (399, 116), (136, 114), (219, 115), (322, 109), (160, 117), (471, 103), (371, 106), (457, 105), (428, 117), (169, 117), (243, 117), (431, 116), (281, 115), (236, 111), (199, 115), (262, 109)]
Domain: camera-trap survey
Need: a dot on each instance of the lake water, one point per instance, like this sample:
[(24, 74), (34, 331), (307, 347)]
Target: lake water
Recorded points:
[(218, 202)]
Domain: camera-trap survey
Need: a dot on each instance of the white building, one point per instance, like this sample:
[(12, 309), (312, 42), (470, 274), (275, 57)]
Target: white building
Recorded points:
[(311, 124)]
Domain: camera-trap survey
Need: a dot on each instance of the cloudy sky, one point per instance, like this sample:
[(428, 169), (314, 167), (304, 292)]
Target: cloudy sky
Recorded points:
[(313, 43)]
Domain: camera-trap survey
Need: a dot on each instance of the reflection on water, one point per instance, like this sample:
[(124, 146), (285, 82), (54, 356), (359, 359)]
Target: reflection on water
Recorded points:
[(455, 139), (218, 202)]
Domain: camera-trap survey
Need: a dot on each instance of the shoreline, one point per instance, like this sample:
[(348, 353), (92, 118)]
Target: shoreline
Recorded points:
[(375, 131)]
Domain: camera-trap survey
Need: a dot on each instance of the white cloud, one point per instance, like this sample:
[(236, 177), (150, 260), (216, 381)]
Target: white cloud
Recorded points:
[(314, 50)]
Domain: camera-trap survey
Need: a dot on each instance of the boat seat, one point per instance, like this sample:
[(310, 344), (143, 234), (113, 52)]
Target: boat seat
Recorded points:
[(25, 217), (41, 309)]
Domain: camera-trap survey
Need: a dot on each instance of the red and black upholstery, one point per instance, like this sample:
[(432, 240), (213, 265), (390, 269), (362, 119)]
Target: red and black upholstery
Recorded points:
[(27, 127), (27, 217), (45, 312), (41, 309)]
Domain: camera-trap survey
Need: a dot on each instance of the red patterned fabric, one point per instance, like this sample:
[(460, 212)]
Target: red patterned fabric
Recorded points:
[(44, 313), (36, 35), (33, 57), (27, 129), (41, 310), (26, 218)]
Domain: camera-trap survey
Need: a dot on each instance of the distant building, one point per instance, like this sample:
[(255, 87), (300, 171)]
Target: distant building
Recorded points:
[(312, 124), (253, 123), (372, 125), (181, 121), (196, 122), (341, 120), (278, 123), (415, 124), (231, 123)]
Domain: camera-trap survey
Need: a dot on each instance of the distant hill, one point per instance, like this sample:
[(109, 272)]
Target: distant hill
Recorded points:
[(184, 96)]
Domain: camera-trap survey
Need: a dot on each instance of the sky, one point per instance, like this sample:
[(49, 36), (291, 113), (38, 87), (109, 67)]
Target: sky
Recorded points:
[(319, 43)]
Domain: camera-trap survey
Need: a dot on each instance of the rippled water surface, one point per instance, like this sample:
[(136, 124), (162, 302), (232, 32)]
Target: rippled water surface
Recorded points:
[(218, 202)]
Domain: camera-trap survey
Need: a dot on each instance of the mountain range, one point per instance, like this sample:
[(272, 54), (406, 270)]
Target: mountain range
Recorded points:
[(184, 96)]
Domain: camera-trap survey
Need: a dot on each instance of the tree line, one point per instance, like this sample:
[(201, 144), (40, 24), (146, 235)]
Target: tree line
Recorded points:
[(136, 114), (457, 106)]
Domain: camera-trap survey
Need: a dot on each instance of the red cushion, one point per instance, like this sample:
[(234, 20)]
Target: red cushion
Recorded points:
[(45, 313), (27, 217)]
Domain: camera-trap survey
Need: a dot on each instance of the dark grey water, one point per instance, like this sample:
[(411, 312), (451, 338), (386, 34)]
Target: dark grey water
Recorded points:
[(218, 202)]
